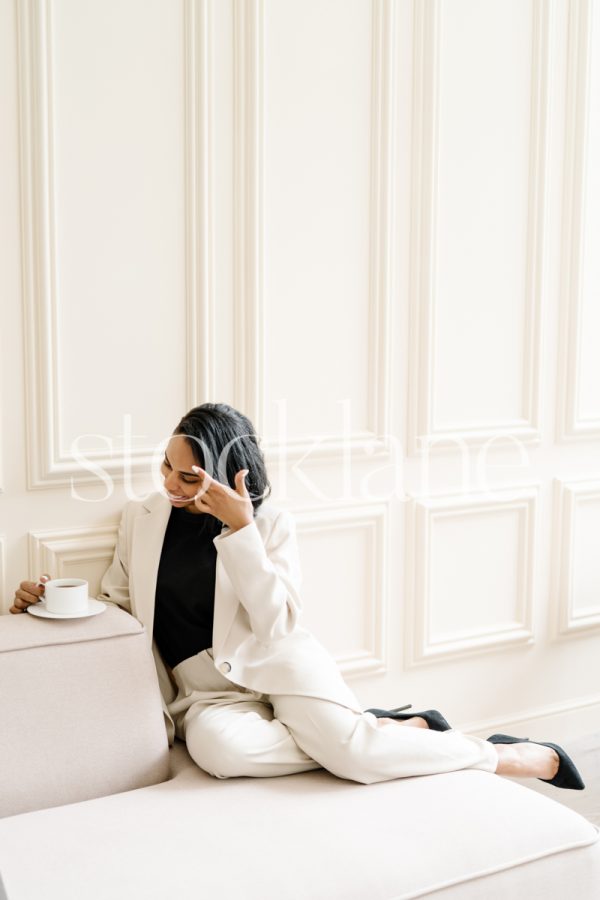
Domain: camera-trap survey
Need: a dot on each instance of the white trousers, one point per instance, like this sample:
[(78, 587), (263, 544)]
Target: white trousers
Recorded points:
[(230, 731)]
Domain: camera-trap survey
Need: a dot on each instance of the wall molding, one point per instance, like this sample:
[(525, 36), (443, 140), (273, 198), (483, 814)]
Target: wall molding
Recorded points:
[(420, 647), (47, 464), (199, 196), (248, 188), (249, 236), (536, 717), (570, 426), (375, 518), (421, 428), (568, 495), (52, 551)]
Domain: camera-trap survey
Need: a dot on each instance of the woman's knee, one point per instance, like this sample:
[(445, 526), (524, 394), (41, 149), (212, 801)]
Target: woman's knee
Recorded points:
[(211, 748), (350, 766)]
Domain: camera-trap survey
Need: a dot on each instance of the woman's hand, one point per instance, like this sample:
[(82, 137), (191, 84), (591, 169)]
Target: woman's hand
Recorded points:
[(233, 507), (28, 593)]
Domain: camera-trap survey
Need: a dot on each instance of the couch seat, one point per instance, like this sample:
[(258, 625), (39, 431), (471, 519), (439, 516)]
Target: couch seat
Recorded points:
[(460, 835)]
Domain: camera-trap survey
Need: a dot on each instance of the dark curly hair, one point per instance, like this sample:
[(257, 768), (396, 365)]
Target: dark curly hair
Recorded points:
[(223, 441)]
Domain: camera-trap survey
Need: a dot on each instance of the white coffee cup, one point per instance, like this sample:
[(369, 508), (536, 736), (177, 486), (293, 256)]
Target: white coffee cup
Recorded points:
[(65, 596)]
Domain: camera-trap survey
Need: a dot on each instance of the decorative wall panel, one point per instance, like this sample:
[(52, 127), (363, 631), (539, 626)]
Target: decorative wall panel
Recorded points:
[(579, 332), (289, 250), (345, 594), (129, 255), (73, 553), (576, 557), (477, 241), (469, 573)]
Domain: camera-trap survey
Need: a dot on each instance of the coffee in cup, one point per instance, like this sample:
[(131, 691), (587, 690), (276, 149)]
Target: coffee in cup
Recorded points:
[(66, 596)]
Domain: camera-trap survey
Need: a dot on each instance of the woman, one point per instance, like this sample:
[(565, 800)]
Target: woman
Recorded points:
[(214, 576)]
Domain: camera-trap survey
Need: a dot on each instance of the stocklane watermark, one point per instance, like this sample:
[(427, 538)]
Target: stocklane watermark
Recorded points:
[(352, 473)]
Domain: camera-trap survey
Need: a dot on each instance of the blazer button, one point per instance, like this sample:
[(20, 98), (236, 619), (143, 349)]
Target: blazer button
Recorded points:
[(225, 668)]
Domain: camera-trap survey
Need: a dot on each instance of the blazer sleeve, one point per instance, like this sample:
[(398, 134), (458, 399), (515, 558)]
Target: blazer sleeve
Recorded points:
[(114, 587), (265, 575)]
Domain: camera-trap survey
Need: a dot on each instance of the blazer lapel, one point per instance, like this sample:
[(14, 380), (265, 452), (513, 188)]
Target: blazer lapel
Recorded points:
[(226, 600), (148, 536), (226, 606)]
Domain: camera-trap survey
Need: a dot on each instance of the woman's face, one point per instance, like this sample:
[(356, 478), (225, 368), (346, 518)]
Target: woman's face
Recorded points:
[(181, 484)]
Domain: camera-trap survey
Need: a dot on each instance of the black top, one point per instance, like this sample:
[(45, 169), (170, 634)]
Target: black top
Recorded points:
[(185, 587)]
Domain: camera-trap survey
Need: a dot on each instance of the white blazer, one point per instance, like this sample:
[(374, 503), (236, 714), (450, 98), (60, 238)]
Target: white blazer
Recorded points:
[(258, 641)]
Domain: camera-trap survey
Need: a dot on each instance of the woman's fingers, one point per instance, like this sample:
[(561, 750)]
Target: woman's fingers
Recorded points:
[(28, 593), (208, 482), (217, 487), (222, 501), (20, 602), (25, 597), (212, 490), (240, 484)]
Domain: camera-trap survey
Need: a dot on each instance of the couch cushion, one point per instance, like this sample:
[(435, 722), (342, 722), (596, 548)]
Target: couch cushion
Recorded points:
[(26, 632), (80, 709), (463, 836)]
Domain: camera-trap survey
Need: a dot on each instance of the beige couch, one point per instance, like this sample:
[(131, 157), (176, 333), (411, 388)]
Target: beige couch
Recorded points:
[(95, 805)]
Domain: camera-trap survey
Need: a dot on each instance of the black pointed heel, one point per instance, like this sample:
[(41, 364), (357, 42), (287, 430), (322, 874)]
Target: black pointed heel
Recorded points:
[(434, 719), (567, 775)]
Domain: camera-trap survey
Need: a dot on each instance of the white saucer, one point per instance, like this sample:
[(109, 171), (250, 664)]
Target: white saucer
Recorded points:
[(94, 607)]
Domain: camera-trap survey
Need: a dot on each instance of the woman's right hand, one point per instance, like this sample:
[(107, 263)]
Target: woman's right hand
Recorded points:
[(28, 593)]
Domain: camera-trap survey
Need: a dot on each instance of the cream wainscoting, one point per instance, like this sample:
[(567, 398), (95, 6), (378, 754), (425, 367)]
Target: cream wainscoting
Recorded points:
[(494, 591), (371, 226), (428, 423), (50, 462), (250, 177), (74, 553), (355, 579), (579, 294), (577, 562)]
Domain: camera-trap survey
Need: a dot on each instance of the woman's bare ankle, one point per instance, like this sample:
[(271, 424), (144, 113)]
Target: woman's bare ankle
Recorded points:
[(413, 722), (526, 760)]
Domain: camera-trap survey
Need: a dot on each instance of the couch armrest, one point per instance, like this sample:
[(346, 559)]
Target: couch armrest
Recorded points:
[(80, 708)]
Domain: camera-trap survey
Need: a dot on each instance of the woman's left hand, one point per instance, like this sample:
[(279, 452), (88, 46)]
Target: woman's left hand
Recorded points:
[(233, 507)]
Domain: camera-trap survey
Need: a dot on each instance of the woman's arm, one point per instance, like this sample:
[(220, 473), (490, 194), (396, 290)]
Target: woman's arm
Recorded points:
[(114, 587), (265, 575)]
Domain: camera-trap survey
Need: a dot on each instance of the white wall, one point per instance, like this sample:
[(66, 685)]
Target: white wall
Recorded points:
[(372, 225)]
